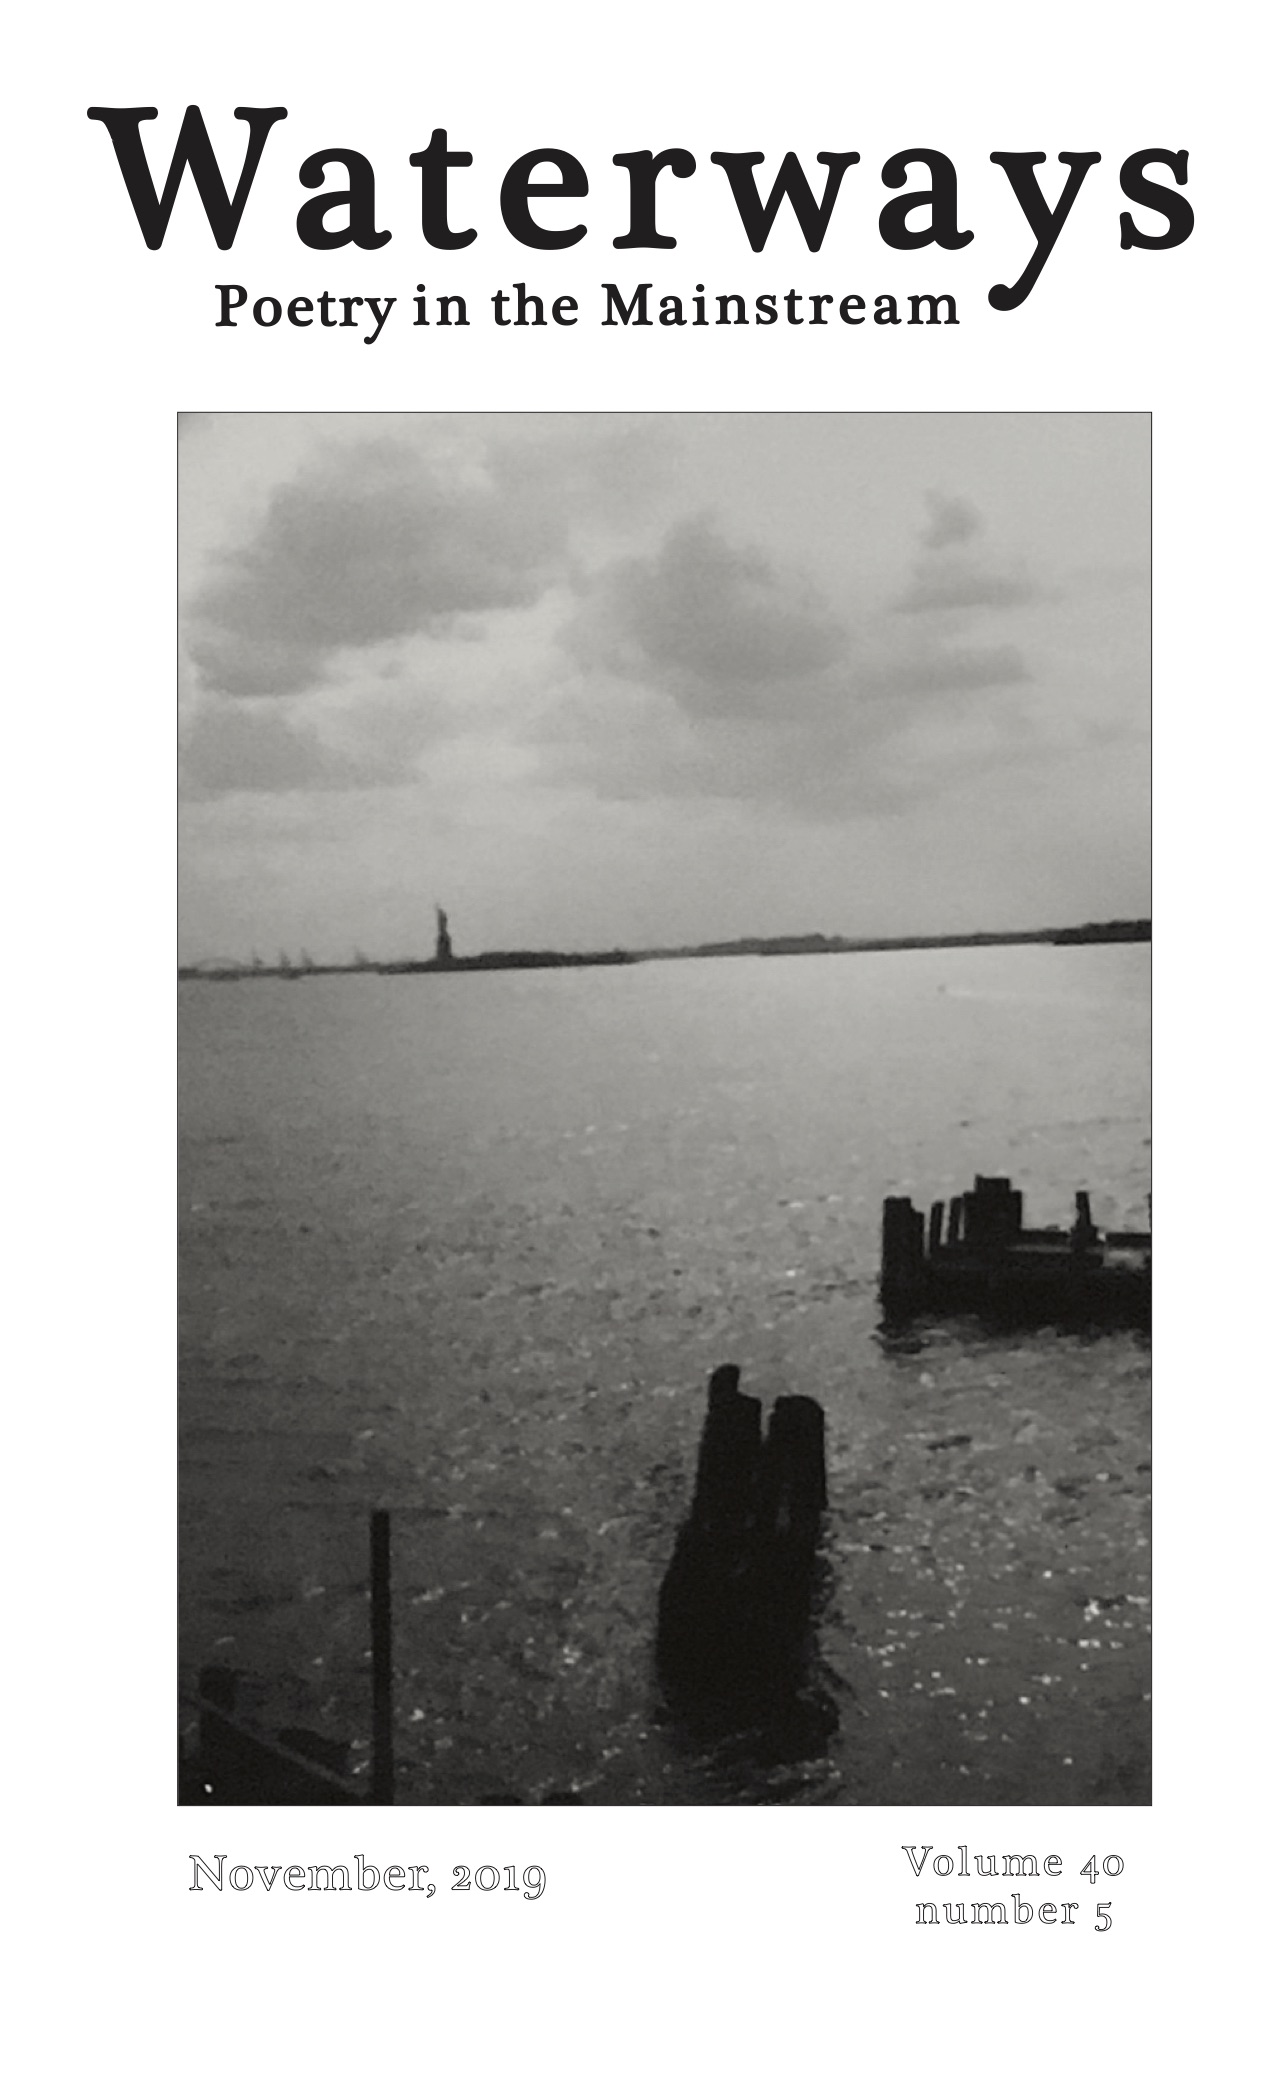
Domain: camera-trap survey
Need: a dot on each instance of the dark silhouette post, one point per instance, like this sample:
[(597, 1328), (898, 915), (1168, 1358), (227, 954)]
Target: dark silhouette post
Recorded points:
[(734, 1628), (794, 1473), (1084, 1233), (729, 1453), (902, 1251), (382, 1662)]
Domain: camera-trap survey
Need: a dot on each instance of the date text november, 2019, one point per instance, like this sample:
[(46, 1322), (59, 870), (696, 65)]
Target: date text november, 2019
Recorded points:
[(362, 1876)]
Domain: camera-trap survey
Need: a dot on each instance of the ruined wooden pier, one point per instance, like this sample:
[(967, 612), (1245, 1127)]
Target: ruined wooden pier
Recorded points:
[(974, 1254)]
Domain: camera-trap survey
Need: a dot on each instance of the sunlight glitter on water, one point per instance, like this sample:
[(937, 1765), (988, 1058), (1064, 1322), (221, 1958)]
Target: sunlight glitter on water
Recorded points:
[(411, 1277)]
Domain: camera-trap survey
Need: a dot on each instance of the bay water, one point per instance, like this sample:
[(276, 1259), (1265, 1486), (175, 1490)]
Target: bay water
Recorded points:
[(467, 1247)]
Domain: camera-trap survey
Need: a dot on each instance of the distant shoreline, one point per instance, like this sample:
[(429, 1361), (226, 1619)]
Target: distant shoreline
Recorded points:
[(1093, 933)]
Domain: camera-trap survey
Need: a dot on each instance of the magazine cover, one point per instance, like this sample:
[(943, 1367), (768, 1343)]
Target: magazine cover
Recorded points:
[(644, 554)]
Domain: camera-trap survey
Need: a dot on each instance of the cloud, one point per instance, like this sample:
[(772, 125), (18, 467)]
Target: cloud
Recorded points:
[(367, 545), (945, 670), (721, 626), (952, 520), (963, 586), (705, 668), (232, 749), (395, 597), (964, 582)]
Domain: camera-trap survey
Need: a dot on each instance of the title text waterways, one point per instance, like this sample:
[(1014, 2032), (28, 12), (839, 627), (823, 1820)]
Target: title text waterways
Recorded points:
[(319, 228), (643, 306)]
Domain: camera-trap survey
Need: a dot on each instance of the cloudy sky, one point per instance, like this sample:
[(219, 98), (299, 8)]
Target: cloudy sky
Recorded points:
[(598, 680)]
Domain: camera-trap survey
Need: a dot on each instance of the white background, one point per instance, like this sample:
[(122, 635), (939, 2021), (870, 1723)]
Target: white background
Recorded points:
[(683, 1949)]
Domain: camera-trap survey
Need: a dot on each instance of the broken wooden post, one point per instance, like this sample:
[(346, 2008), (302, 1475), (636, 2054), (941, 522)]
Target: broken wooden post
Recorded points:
[(729, 1453), (382, 1661), (988, 1211), (794, 1474), (902, 1251), (734, 1609)]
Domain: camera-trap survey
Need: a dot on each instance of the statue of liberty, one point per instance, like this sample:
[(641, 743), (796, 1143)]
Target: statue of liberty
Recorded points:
[(443, 944)]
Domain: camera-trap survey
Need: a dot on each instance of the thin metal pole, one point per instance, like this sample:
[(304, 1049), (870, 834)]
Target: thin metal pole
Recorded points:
[(382, 1662)]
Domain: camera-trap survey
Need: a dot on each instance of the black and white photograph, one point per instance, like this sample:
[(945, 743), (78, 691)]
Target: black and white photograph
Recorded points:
[(664, 1108)]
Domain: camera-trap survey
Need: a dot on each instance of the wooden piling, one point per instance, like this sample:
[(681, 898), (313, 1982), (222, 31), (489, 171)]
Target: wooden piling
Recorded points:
[(990, 1211), (382, 1661), (729, 1453), (794, 1473), (735, 1605), (902, 1249)]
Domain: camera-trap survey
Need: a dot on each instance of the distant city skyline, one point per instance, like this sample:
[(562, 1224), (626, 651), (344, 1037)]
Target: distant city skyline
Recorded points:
[(595, 681)]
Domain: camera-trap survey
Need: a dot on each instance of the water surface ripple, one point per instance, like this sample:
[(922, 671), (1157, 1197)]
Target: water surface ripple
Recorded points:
[(468, 1248)]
